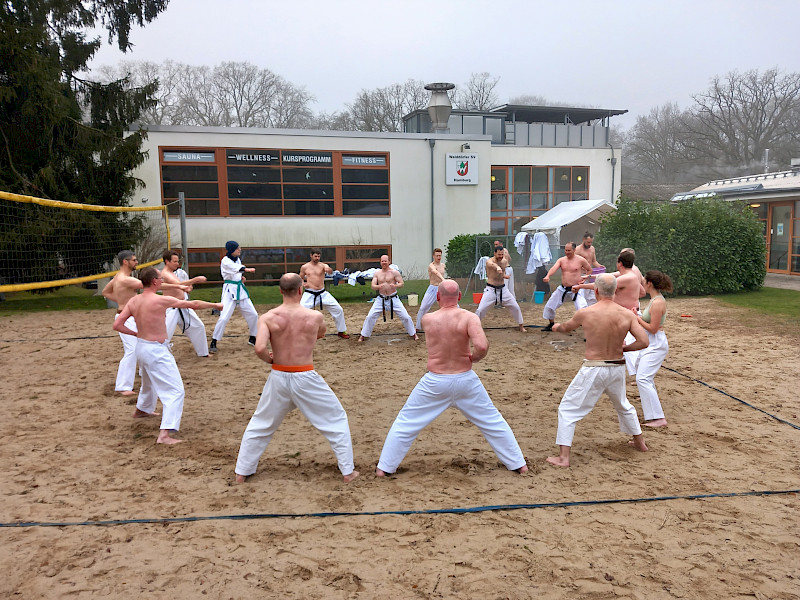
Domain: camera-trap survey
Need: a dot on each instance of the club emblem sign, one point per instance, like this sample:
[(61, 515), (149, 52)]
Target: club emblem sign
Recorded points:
[(461, 169)]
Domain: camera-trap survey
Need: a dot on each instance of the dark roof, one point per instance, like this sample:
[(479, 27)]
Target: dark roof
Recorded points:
[(652, 191), (555, 114)]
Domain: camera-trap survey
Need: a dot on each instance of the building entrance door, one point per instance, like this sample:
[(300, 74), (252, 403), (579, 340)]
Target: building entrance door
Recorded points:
[(780, 236)]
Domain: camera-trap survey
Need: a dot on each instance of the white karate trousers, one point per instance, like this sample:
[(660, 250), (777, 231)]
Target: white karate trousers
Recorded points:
[(428, 301), (377, 310), (126, 372), (584, 392), (492, 295), (161, 380), (308, 392), (310, 300), (589, 296), (648, 363), (192, 327), (229, 302), (431, 397), (510, 281), (556, 300)]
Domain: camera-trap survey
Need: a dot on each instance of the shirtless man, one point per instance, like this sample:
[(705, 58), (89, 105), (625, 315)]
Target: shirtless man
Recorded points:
[(509, 268), (191, 325), (291, 330), (313, 274), (605, 325), (496, 291), (630, 287), (385, 282), (450, 381), (160, 376), (435, 276), (571, 265), (120, 289), (587, 251)]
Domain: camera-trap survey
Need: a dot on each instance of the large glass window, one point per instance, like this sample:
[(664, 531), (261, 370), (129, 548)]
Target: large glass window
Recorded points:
[(269, 182), (533, 191)]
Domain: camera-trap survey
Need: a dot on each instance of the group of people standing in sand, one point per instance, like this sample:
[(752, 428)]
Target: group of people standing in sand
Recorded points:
[(285, 337)]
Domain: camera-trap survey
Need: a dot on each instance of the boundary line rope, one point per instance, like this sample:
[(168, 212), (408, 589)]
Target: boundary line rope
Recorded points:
[(430, 511)]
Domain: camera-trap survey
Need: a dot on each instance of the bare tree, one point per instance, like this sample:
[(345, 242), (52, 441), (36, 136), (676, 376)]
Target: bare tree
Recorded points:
[(478, 93), (740, 116), (383, 109), (656, 146), (140, 73)]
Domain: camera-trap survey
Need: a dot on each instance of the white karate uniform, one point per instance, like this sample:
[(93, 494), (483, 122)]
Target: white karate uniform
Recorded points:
[(588, 296), (192, 327), (632, 357), (583, 393), (327, 300), (161, 380), (427, 302), (308, 392), (557, 299), (434, 394), (647, 365), (491, 296), (378, 309), (231, 271), (126, 372)]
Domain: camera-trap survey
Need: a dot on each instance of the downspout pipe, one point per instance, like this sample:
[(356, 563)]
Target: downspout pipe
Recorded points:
[(613, 160), (432, 143)]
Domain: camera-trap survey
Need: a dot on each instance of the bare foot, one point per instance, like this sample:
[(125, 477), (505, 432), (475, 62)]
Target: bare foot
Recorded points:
[(127, 393), (522, 329), (163, 438), (558, 461), (361, 338), (351, 476), (415, 337), (656, 423), (241, 478), (638, 443), (140, 414), (522, 469)]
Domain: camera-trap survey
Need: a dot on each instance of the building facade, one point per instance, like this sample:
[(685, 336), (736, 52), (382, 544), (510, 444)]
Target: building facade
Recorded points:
[(358, 195)]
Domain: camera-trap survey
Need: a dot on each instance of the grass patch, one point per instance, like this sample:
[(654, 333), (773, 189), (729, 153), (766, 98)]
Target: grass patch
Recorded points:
[(768, 301)]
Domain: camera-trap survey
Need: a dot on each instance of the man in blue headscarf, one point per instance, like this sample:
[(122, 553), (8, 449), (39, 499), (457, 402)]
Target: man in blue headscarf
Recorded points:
[(234, 293)]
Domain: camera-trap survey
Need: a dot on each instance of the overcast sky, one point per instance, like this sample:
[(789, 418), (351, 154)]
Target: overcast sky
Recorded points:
[(617, 54)]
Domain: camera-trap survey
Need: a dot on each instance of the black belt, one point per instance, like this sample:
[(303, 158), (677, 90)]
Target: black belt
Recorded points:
[(498, 301), (567, 291), (621, 361), (316, 294), (184, 323), (391, 305)]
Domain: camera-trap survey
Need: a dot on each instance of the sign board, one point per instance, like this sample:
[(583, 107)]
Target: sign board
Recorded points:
[(359, 161), (461, 169), (188, 156)]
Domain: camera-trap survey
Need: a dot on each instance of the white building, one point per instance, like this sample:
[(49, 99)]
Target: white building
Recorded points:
[(358, 195)]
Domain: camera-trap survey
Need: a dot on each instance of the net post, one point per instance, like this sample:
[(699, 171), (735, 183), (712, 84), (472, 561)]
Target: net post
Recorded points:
[(184, 248)]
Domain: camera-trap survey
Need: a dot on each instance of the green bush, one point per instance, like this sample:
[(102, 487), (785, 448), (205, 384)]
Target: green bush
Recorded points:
[(460, 257), (707, 246)]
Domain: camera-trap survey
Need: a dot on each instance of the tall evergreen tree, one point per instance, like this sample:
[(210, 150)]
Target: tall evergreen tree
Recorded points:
[(63, 136)]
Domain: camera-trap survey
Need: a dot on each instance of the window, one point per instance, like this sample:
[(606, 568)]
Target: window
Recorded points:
[(271, 182), (533, 191)]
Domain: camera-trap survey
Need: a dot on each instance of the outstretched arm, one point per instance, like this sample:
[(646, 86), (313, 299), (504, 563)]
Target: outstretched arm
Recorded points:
[(570, 325), (552, 271)]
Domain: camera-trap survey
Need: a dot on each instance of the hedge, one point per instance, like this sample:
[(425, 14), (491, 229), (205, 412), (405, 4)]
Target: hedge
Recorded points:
[(707, 246)]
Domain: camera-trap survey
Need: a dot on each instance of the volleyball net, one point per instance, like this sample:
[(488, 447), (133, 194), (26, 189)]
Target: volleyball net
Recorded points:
[(49, 243)]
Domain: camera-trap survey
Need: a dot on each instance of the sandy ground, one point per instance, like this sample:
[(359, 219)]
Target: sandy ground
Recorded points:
[(72, 453)]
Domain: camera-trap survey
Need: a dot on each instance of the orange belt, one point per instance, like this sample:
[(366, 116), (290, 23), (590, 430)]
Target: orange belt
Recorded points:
[(292, 368)]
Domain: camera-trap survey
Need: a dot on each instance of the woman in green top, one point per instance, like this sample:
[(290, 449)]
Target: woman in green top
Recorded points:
[(650, 359)]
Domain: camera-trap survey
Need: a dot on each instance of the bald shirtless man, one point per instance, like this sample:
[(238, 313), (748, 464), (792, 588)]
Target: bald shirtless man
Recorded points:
[(191, 325), (386, 281), (291, 330), (313, 274), (121, 289), (496, 291), (436, 276), (571, 266), (605, 325), (450, 381), (160, 376)]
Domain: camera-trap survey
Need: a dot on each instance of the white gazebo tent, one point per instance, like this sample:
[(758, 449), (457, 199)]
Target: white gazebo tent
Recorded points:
[(568, 221)]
